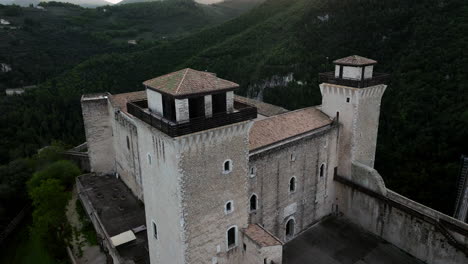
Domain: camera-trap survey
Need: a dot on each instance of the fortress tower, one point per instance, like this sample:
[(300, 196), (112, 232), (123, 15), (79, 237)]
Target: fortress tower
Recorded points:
[(352, 95), (194, 140)]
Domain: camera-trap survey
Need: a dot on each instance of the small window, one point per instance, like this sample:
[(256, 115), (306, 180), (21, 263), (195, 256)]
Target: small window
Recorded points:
[(155, 230), (290, 228), (229, 207), (245, 247), (149, 159), (265, 261), (253, 203), (252, 171), (227, 166), (231, 237), (128, 143), (347, 99), (293, 157), (322, 170), (292, 184)]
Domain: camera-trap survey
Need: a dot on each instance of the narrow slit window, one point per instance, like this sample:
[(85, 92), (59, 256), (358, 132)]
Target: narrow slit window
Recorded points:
[(322, 170), (155, 230), (128, 143), (292, 184)]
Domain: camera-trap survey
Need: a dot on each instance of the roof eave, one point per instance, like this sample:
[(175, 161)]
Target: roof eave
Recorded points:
[(191, 95)]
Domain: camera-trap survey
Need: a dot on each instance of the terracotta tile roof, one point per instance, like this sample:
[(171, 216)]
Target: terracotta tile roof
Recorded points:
[(120, 100), (262, 108), (355, 60), (261, 236), (189, 81), (280, 127)]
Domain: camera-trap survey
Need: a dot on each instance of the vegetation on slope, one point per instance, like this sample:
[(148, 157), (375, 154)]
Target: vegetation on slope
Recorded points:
[(44, 43), (421, 43)]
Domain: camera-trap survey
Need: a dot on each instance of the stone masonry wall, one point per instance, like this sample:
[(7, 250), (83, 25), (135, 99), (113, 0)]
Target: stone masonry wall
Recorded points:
[(206, 189), (98, 130), (312, 198)]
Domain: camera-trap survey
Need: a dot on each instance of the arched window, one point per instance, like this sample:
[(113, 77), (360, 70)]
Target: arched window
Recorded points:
[(292, 184), (253, 203), (290, 228), (229, 207), (322, 170), (227, 166), (232, 237)]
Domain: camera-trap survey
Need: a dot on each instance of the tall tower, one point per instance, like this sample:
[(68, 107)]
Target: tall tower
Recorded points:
[(194, 140), (352, 94)]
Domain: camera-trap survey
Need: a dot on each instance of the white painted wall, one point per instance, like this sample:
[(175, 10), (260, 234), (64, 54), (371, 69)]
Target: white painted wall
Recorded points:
[(368, 71), (230, 101), (208, 106), (337, 71), (155, 103), (162, 195), (353, 73), (182, 110)]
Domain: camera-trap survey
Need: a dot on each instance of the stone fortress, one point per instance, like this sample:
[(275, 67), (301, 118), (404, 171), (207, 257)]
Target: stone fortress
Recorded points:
[(188, 172)]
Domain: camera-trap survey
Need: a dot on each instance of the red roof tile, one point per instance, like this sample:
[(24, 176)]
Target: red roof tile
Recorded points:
[(261, 236), (355, 60)]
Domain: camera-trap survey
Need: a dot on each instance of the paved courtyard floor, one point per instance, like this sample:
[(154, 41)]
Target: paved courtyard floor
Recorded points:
[(337, 241)]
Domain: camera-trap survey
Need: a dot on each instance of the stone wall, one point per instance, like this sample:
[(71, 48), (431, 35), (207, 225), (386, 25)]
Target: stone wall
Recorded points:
[(420, 231), (206, 187), (98, 129), (127, 157), (312, 198)]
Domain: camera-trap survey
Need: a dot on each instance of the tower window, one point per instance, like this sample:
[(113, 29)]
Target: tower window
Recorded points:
[(128, 143), (347, 99), (253, 203), (292, 184), (293, 157), (227, 166), (322, 170), (290, 228), (229, 207), (149, 159), (252, 172), (155, 230), (232, 237)]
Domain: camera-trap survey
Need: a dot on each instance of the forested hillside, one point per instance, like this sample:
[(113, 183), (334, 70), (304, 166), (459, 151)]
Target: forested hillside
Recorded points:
[(41, 43), (421, 43)]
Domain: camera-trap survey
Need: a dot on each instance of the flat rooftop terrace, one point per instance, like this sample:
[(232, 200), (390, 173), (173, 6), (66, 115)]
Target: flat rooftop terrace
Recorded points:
[(337, 241), (119, 211)]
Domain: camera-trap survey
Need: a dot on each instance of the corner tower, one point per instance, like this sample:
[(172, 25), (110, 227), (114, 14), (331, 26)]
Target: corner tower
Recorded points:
[(194, 140), (352, 95)]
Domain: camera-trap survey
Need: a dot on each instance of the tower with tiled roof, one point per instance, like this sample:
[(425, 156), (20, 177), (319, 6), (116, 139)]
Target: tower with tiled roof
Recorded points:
[(194, 141), (352, 95)]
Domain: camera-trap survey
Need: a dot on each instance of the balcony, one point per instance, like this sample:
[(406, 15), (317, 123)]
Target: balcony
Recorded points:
[(242, 112), (378, 78)]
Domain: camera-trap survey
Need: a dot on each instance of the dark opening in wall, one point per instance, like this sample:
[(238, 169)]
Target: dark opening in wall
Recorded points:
[(292, 184), (253, 202), (322, 170), (231, 237), (290, 228), (219, 103), (168, 107), (196, 107), (155, 230), (128, 143)]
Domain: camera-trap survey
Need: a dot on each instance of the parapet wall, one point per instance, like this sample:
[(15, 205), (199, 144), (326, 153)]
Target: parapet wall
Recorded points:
[(420, 231)]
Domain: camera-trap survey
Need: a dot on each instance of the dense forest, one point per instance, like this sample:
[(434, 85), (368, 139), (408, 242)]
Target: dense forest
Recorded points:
[(421, 43), (42, 43)]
